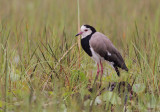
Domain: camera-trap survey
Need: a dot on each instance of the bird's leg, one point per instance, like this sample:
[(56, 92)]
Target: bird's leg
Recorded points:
[(101, 68), (101, 73), (96, 75), (97, 70)]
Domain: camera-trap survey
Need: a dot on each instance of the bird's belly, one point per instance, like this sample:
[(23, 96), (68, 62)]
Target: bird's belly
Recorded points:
[(96, 57), (111, 64)]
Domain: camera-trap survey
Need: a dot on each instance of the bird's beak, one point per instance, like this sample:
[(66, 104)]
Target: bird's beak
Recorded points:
[(79, 33)]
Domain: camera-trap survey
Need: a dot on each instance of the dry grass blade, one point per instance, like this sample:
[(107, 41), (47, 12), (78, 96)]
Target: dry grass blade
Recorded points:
[(78, 40), (53, 55), (34, 69), (65, 54), (52, 69), (33, 52)]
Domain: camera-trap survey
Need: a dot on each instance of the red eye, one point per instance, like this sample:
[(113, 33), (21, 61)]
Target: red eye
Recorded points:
[(85, 30)]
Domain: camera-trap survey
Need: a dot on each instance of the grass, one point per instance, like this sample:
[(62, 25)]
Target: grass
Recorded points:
[(39, 55)]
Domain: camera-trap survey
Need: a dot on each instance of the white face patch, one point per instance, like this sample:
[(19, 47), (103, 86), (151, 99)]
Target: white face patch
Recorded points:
[(86, 31), (109, 54)]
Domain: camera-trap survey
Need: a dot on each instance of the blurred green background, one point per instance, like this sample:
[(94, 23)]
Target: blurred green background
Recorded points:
[(39, 57)]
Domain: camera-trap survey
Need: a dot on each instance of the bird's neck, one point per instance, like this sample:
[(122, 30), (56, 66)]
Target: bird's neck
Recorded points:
[(85, 44)]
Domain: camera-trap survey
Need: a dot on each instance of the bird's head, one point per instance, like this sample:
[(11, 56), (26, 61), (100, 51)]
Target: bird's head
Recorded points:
[(86, 30)]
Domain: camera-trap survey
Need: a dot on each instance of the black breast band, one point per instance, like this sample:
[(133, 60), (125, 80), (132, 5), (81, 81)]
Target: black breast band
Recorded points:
[(85, 44)]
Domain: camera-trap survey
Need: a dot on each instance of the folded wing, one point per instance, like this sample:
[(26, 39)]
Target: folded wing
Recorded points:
[(104, 47)]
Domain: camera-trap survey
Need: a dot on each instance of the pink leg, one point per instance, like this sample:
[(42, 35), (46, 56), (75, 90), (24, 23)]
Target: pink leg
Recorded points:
[(96, 75), (101, 68), (101, 73), (97, 70)]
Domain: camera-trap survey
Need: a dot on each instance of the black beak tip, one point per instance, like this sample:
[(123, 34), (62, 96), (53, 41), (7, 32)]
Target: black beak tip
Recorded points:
[(76, 35)]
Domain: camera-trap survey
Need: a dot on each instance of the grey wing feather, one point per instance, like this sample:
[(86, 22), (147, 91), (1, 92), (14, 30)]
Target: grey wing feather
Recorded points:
[(102, 45)]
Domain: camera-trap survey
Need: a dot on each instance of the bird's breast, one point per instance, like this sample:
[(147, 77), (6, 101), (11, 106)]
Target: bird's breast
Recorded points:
[(85, 45)]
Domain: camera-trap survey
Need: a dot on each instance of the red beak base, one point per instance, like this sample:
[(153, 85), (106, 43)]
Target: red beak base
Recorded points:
[(80, 33)]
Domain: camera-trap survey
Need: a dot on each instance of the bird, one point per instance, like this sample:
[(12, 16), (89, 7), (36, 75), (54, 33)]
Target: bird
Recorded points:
[(100, 49)]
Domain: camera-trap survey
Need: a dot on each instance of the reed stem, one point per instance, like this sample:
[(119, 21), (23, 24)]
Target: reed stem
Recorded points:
[(78, 40)]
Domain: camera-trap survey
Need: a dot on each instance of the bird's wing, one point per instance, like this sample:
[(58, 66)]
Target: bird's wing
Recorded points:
[(104, 47)]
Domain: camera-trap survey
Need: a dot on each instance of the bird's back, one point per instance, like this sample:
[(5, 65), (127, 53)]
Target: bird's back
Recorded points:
[(104, 47)]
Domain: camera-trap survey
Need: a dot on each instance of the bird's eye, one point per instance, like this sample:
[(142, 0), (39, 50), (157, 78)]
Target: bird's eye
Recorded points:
[(85, 30)]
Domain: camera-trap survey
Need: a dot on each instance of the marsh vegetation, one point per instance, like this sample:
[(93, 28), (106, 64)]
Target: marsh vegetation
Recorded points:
[(43, 69)]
